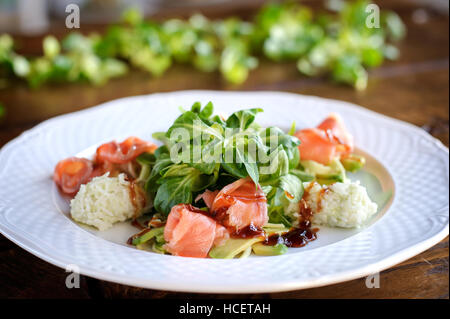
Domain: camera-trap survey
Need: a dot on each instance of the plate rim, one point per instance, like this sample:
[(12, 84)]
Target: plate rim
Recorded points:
[(281, 286), (285, 285)]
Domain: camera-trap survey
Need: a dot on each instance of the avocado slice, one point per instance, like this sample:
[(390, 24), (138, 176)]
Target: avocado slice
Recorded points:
[(155, 232), (265, 250), (246, 252), (353, 163), (325, 174), (233, 247), (158, 248), (271, 228), (145, 246)]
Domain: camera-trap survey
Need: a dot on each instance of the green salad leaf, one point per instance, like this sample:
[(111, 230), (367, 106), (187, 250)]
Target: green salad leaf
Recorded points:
[(339, 44), (242, 119), (201, 150)]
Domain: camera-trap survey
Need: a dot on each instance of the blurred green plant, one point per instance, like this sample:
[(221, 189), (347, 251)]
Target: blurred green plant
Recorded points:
[(2, 111), (338, 44)]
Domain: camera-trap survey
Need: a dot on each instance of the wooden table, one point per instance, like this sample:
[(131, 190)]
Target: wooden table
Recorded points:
[(414, 89)]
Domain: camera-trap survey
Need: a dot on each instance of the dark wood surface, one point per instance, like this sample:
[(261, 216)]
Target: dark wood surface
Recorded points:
[(414, 89)]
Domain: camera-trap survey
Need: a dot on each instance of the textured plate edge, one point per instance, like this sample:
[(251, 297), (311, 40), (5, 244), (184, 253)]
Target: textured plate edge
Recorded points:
[(359, 108), (287, 285)]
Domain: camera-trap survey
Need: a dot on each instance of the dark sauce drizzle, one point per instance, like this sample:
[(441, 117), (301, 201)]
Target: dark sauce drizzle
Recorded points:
[(250, 231), (305, 211), (142, 232), (220, 214), (137, 224), (199, 211), (301, 235), (296, 237)]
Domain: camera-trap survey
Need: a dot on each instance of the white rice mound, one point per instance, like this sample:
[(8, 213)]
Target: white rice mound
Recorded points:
[(103, 202), (344, 205)]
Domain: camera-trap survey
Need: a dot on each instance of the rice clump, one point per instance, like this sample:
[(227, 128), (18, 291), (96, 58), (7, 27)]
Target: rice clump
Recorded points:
[(344, 205), (103, 202)]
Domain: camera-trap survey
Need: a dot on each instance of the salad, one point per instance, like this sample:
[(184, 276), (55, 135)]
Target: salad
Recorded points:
[(221, 187)]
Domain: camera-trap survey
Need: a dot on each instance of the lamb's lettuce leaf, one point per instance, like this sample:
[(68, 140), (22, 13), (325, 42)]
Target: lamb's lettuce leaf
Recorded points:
[(292, 187), (202, 150), (177, 185), (242, 119)]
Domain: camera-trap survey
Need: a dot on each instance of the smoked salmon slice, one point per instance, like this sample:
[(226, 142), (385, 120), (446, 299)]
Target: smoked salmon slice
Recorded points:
[(329, 140), (335, 128), (122, 153), (240, 204), (190, 233), (71, 173), (208, 197)]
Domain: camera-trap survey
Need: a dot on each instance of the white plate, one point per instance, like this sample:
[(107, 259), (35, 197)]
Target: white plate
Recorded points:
[(406, 161)]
